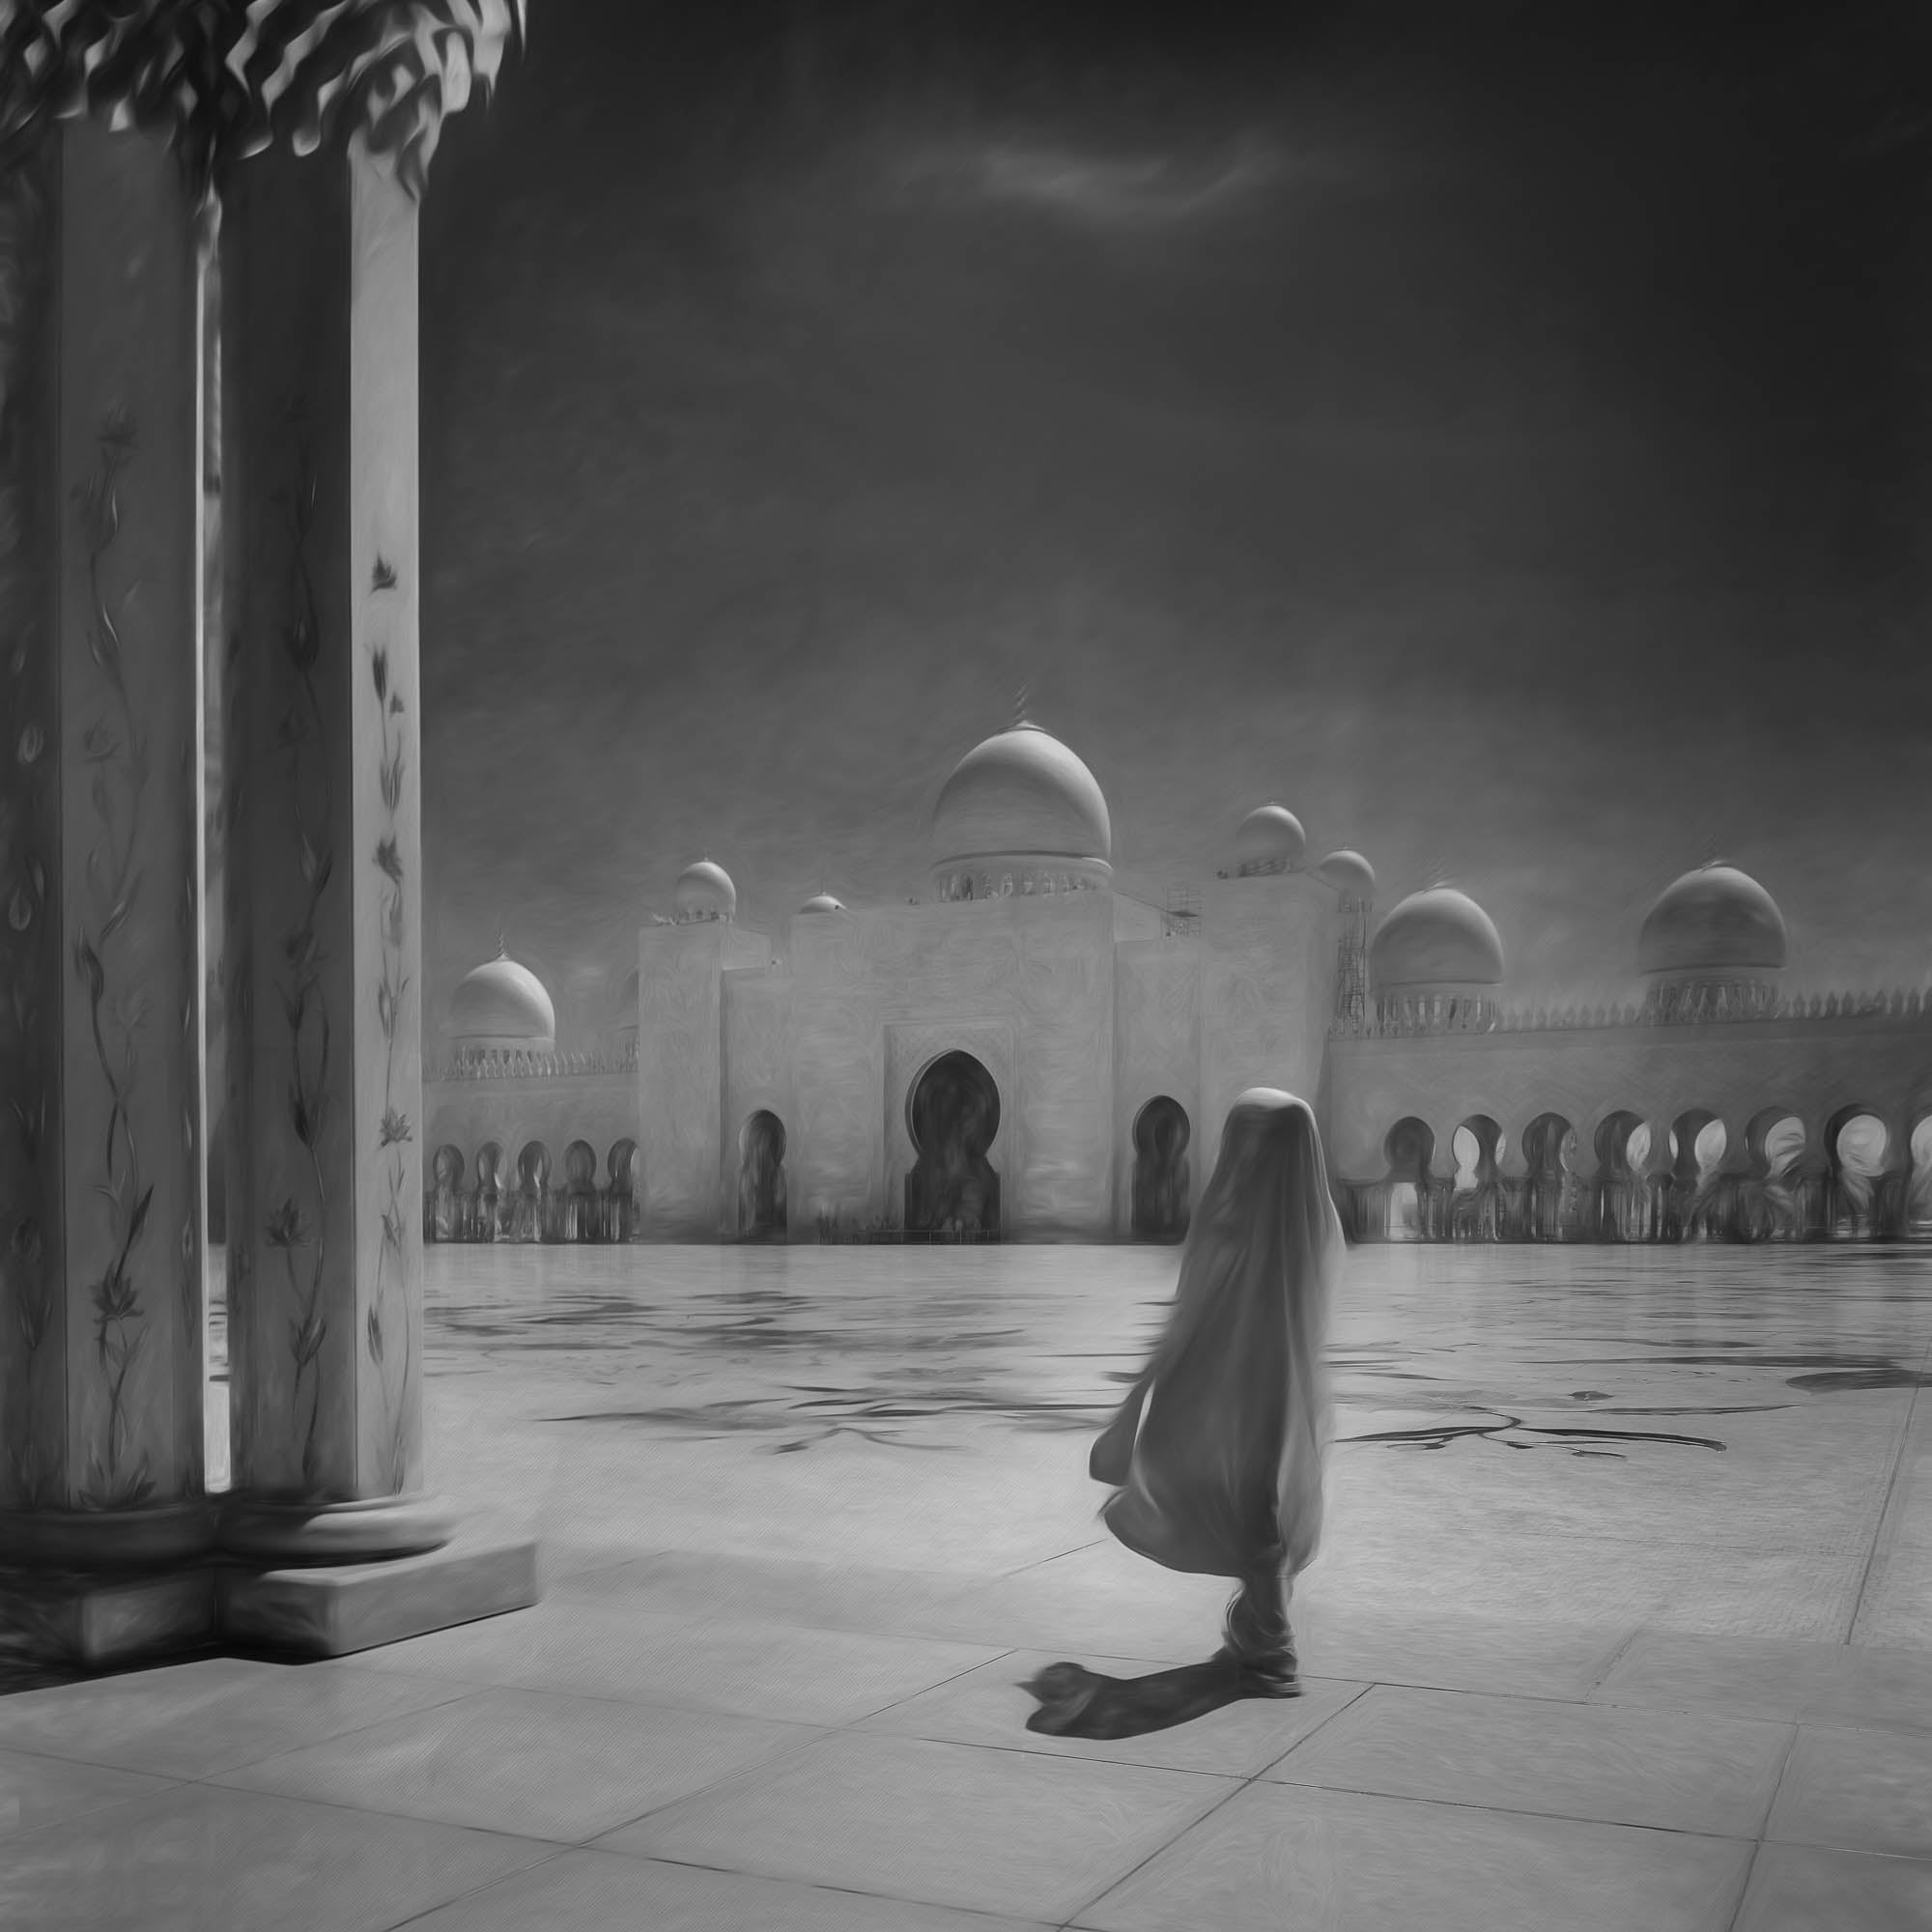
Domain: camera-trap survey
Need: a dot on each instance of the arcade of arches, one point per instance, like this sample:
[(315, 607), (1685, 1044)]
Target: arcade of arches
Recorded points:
[(1852, 1175)]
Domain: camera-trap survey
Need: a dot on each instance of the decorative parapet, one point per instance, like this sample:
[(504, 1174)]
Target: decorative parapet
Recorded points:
[(1707, 1006), (223, 79), (500, 1063)]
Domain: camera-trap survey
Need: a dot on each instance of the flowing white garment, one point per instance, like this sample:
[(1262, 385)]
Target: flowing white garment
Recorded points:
[(1219, 1447)]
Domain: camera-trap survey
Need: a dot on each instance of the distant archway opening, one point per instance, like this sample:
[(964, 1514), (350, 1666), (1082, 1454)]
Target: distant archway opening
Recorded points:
[(953, 1113), (1475, 1193), (1162, 1176), (1919, 1188), (532, 1196), (1623, 1207), (623, 1195), (1697, 1143), (488, 1204), (1554, 1197), (582, 1217), (761, 1178), (1857, 1143), (1409, 1147), (443, 1221)]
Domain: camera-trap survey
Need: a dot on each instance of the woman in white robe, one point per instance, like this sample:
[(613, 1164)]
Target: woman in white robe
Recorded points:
[(1218, 1449)]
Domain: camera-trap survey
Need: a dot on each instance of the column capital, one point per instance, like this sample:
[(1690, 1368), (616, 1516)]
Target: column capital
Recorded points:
[(219, 83)]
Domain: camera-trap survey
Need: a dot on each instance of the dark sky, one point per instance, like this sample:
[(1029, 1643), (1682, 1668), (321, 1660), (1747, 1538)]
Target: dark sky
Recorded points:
[(1503, 442)]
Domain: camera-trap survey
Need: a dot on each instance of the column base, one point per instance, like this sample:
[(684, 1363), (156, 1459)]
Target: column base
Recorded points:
[(314, 1609), (99, 1620), (377, 1530)]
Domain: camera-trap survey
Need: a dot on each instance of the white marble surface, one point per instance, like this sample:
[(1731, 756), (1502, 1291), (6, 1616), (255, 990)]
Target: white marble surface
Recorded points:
[(813, 1515)]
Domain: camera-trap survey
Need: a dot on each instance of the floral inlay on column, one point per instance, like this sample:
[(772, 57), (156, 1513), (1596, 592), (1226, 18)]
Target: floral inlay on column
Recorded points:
[(395, 1131), (304, 1006), (26, 854), (114, 746)]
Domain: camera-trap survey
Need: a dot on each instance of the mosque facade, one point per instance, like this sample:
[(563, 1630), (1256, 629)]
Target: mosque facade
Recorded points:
[(1027, 1053)]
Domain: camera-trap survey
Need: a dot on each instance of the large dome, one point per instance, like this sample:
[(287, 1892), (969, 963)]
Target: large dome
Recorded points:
[(1021, 794), (704, 891), (1270, 839), (1713, 920), (502, 1003), (1436, 938)]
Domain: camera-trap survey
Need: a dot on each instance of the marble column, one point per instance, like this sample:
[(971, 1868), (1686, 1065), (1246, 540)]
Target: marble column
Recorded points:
[(324, 897), (101, 1153)]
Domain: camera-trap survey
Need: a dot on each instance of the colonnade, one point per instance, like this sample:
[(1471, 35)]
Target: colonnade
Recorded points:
[(1850, 1172), (208, 485)]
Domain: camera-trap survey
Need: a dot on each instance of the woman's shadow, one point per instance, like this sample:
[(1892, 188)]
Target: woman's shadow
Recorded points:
[(1076, 1702)]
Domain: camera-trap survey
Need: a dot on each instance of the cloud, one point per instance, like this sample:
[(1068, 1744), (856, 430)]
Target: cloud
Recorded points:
[(1104, 191)]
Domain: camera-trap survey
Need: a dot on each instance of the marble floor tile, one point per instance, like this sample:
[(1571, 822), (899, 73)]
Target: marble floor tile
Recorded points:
[(193, 1719), (1677, 1771), (1860, 1790), (198, 1858), (1276, 1856), (559, 1639), (1002, 1832), (1768, 1678), (37, 1791), (531, 1762), (1451, 1653), (825, 1595), (753, 1670), (989, 1706), (604, 1892), (1804, 1889)]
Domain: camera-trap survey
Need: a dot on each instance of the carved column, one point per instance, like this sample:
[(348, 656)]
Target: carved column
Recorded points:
[(324, 866), (102, 1158), (323, 928)]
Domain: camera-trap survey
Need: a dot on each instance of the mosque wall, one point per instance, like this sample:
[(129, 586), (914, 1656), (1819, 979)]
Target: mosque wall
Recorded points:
[(757, 1073), (1812, 1069), (1267, 994), (1157, 1050), (1037, 969), (680, 1071)]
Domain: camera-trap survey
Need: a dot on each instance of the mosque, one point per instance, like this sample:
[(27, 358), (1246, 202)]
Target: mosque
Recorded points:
[(1027, 1053)]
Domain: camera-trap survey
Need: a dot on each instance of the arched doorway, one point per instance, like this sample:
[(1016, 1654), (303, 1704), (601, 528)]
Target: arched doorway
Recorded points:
[(580, 1216), (528, 1207), (761, 1179), (487, 1204), (1918, 1217), (1857, 1143), (624, 1169), (1162, 1176), (1475, 1196), (1552, 1205), (442, 1217), (1765, 1205), (954, 1113), (1620, 1193), (1408, 1148), (1698, 1139)]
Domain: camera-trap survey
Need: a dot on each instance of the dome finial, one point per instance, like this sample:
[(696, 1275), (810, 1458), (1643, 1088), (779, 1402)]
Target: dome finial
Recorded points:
[(1019, 708), (503, 944)]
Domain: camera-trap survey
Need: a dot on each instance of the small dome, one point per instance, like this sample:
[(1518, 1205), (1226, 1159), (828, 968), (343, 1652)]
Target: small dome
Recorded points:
[(704, 891), (1270, 839), (822, 902), (502, 1003), (1436, 938), (1713, 920), (1349, 873), (1021, 793)]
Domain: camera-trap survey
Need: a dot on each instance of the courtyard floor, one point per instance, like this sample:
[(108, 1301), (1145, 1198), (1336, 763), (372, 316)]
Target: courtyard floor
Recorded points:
[(1623, 1621)]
